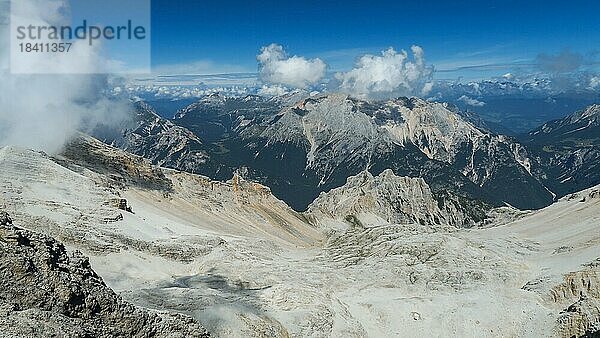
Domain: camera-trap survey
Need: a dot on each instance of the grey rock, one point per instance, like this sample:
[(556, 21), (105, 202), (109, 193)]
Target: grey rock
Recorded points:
[(394, 199), (47, 292)]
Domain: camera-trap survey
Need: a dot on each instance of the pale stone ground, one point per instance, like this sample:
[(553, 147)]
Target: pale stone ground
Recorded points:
[(244, 264)]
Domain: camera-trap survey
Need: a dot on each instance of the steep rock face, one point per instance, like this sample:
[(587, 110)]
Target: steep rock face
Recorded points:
[(216, 117), (47, 292), (495, 163), (395, 200), (567, 151)]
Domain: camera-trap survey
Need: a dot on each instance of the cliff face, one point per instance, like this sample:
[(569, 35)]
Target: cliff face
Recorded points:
[(47, 292)]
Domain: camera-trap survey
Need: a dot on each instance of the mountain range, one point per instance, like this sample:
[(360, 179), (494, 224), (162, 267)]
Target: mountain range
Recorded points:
[(301, 145)]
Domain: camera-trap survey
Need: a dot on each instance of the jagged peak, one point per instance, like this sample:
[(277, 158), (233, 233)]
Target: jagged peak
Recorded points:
[(388, 198), (143, 108)]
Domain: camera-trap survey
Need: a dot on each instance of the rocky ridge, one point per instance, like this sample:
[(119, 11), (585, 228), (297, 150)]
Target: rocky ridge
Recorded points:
[(394, 200), (566, 152), (159, 140)]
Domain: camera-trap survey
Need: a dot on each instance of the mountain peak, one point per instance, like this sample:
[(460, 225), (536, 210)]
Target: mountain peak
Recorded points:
[(387, 198)]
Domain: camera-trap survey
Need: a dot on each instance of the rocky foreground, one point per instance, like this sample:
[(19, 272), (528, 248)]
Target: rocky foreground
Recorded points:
[(378, 257), (47, 292)]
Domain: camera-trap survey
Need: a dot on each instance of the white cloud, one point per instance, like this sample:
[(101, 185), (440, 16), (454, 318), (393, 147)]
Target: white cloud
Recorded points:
[(391, 74), (275, 90), (43, 111), (471, 102), (275, 67), (508, 76)]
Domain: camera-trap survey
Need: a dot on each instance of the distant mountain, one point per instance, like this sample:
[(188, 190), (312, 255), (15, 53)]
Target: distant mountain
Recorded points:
[(159, 140), (314, 145), (513, 108), (567, 151)]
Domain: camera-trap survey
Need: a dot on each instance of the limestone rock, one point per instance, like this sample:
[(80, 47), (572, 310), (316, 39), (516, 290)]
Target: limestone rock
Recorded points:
[(388, 198)]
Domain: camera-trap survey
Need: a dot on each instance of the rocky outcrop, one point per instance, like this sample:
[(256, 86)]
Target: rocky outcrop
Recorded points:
[(388, 198), (581, 319), (579, 292), (47, 292), (123, 168), (585, 282)]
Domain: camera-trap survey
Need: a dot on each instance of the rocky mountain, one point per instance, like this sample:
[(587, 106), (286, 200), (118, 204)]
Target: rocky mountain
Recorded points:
[(159, 140), (314, 145), (48, 292), (388, 198), (567, 151), (242, 263), (301, 145), (581, 124)]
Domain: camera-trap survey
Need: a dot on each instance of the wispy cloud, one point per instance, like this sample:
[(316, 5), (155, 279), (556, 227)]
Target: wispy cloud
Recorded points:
[(198, 67), (471, 101), (43, 111)]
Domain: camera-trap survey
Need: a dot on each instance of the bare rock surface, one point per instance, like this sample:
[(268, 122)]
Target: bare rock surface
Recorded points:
[(388, 198), (47, 292), (242, 263)]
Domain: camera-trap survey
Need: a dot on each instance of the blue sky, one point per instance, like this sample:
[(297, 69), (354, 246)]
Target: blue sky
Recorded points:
[(226, 36)]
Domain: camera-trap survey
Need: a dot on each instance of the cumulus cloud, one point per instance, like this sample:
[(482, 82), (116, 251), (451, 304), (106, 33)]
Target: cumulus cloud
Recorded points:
[(388, 75), (508, 76), (471, 101), (43, 111), (275, 67)]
